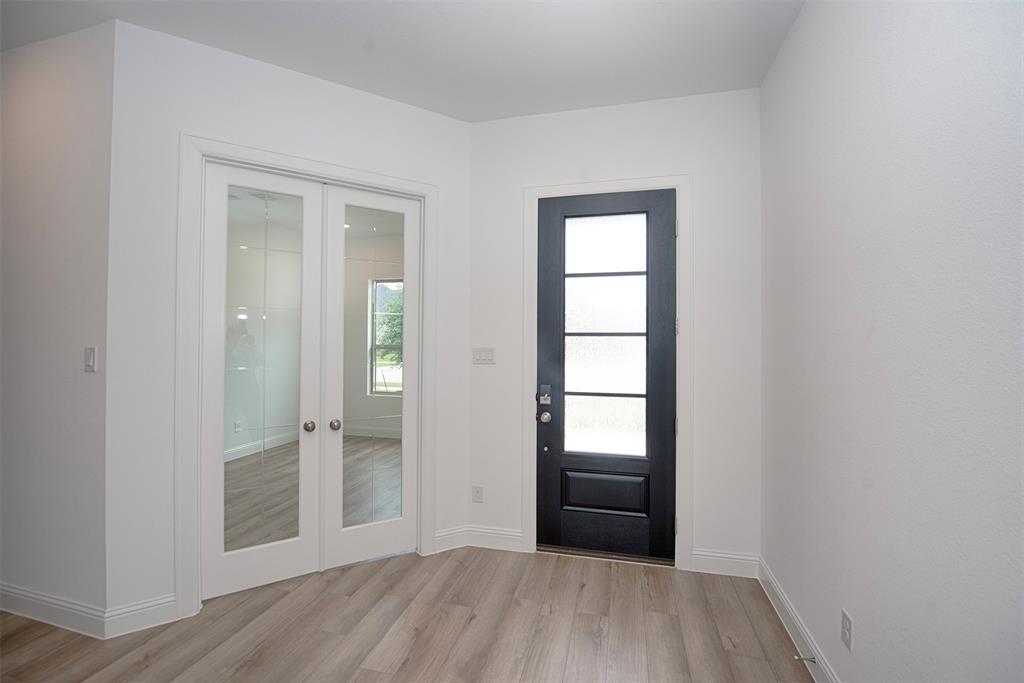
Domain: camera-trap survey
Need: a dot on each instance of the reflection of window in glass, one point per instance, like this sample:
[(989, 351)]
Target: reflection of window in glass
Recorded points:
[(386, 308)]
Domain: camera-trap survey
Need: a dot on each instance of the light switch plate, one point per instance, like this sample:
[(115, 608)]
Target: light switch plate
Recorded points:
[(483, 355), (90, 359)]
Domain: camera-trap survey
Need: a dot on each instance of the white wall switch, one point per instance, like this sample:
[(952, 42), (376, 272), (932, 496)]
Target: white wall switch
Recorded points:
[(478, 494), (238, 426), (90, 359), (483, 355)]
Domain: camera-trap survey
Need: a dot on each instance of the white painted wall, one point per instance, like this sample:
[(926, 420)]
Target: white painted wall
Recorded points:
[(165, 86), (893, 170), (716, 139), (56, 184)]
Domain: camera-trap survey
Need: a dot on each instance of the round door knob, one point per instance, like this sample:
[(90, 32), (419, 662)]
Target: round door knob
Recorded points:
[(545, 417), (335, 424), (309, 425)]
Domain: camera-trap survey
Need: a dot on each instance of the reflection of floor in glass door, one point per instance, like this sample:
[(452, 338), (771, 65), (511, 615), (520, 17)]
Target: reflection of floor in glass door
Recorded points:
[(373, 479), (261, 491)]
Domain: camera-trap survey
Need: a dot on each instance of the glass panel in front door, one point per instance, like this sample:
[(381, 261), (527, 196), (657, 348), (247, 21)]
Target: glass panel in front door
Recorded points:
[(373, 371), (261, 368), (602, 244), (605, 334), (606, 303), (613, 365), (614, 425)]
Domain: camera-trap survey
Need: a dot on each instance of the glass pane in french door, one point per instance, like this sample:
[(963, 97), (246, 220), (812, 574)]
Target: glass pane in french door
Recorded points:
[(605, 334), (261, 368), (373, 370)]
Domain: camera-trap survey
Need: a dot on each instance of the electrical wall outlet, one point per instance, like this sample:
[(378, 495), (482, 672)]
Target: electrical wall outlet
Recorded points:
[(238, 426), (478, 494), (846, 631), (483, 355)]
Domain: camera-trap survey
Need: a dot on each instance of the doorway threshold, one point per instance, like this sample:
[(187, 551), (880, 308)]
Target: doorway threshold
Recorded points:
[(600, 555)]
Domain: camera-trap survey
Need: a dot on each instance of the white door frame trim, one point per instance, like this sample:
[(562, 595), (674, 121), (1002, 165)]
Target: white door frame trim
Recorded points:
[(194, 152), (682, 184)]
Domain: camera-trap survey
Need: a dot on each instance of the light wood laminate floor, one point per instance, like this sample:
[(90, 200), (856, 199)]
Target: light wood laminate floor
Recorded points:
[(463, 615)]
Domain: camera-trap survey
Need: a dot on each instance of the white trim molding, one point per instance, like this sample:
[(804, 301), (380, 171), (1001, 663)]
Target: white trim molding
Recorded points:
[(51, 609), (89, 620), (139, 615), (821, 671), (724, 562), (493, 537)]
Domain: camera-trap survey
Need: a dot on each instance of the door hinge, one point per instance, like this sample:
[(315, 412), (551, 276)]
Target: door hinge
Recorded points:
[(675, 525), (675, 427), (677, 227), (677, 327)]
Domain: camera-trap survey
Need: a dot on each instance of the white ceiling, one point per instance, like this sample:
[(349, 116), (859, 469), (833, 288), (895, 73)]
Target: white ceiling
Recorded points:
[(474, 61)]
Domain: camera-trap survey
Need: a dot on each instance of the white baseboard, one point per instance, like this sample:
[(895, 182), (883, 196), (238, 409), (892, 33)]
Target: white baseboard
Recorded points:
[(139, 615), (87, 619), (70, 614), (821, 671), (724, 562), (240, 451), (493, 537), (379, 432)]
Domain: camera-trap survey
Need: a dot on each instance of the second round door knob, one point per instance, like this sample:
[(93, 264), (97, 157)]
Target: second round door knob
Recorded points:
[(309, 425)]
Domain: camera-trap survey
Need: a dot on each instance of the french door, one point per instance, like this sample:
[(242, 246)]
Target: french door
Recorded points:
[(308, 420), (606, 369), (372, 367)]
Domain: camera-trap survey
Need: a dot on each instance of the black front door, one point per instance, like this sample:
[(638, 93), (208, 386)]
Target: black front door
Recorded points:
[(606, 372)]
